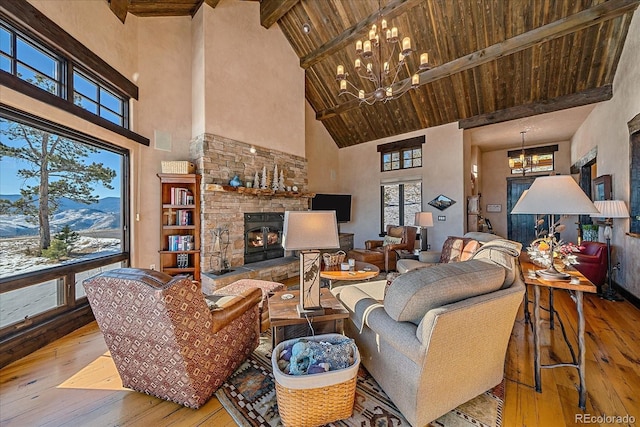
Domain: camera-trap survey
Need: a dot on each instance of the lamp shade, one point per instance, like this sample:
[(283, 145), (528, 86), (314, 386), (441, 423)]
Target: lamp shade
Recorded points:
[(424, 219), (554, 195), (611, 209), (310, 230)]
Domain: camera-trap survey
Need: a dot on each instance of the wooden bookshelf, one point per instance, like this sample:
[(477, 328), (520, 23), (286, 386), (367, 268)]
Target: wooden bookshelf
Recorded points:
[(180, 225)]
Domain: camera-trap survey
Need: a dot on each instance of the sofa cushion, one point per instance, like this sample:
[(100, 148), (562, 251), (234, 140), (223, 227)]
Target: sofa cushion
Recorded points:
[(416, 292), (504, 253)]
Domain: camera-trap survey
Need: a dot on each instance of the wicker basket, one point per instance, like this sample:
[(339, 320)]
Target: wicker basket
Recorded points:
[(315, 399), (181, 166), (331, 260)]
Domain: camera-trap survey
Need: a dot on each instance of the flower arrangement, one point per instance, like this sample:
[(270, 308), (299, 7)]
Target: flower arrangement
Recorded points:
[(539, 251)]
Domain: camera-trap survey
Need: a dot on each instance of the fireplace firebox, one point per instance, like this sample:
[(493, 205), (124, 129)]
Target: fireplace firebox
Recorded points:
[(263, 236)]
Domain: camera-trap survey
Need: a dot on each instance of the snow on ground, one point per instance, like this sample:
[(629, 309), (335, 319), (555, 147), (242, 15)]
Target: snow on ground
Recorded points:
[(14, 257)]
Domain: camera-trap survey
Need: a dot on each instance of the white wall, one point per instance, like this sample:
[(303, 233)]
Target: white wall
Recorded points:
[(606, 128), (441, 173), (322, 154)]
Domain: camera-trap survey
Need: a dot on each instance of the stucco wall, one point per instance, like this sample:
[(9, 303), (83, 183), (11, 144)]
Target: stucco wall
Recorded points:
[(322, 155), (254, 86), (495, 171), (441, 173), (606, 128)]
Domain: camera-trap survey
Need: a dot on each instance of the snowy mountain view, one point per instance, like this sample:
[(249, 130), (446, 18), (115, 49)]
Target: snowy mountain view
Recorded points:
[(97, 224)]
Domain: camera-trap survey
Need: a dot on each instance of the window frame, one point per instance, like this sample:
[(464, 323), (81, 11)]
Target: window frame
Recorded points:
[(69, 306), (401, 202), (400, 148), (528, 152), (37, 27)]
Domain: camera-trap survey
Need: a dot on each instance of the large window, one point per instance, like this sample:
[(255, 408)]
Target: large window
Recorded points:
[(400, 203), (63, 205), (33, 62)]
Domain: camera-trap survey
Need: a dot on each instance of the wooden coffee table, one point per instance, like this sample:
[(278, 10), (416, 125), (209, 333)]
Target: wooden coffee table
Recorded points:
[(287, 324), (362, 271)]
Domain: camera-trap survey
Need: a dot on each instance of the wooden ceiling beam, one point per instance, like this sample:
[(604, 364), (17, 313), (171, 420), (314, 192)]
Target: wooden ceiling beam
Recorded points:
[(272, 10), (212, 3), (119, 8), (350, 35), (586, 97), (576, 22)]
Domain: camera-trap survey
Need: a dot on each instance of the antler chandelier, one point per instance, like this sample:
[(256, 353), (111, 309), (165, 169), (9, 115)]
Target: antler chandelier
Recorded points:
[(382, 73)]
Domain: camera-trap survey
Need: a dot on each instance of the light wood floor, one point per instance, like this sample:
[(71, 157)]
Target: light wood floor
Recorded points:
[(73, 380)]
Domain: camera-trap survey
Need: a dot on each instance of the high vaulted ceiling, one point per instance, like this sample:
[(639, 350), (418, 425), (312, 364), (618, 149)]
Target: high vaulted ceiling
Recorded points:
[(493, 60)]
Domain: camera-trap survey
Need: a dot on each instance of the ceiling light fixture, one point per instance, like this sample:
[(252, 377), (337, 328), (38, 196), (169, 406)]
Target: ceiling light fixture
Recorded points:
[(525, 161), (306, 28), (382, 73)]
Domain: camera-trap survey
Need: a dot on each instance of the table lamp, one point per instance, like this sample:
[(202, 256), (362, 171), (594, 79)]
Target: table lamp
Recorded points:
[(424, 220), (610, 209), (554, 195), (308, 231)]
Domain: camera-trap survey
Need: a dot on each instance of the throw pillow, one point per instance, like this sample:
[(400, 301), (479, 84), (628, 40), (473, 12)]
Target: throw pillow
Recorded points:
[(389, 240), (469, 250), (452, 249)]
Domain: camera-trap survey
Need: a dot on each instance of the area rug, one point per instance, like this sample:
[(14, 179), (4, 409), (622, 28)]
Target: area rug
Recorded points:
[(249, 396)]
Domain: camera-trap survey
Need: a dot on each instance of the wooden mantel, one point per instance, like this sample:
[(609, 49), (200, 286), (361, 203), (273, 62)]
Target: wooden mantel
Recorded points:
[(258, 192)]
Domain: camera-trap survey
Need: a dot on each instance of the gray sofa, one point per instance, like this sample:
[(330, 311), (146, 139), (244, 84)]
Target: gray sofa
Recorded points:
[(439, 336)]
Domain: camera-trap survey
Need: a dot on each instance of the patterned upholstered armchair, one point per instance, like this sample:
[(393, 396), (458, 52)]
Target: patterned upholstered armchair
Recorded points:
[(164, 339)]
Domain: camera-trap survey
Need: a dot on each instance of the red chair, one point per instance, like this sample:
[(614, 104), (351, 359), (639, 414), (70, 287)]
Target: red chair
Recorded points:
[(592, 262)]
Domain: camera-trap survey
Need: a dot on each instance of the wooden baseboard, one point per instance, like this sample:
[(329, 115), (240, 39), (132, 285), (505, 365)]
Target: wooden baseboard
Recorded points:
[(627, 295)]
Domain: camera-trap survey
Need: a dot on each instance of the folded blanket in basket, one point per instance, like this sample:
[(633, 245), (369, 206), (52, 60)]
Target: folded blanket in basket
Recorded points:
[(312, 357)]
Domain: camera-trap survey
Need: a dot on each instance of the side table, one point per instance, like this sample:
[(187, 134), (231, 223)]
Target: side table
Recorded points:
[(287, 324)]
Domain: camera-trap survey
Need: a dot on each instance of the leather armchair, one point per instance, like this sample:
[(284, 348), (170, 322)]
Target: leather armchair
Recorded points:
[(593, 262), (164, 339), (385, 256)]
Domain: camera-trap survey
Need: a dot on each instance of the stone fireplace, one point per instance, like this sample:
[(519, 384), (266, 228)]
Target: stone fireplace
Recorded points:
[(219, 159)]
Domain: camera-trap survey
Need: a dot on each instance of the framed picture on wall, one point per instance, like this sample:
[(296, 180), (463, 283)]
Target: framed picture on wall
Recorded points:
[(602, 188)]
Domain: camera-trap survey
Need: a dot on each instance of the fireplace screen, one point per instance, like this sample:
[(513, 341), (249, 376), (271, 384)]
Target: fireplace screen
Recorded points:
[(263, 236)]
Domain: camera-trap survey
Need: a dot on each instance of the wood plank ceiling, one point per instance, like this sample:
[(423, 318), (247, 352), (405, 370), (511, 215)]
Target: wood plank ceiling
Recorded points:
[(493, 60)]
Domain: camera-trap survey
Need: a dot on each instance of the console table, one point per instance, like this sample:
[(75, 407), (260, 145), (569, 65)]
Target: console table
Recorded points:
[(577, 290)]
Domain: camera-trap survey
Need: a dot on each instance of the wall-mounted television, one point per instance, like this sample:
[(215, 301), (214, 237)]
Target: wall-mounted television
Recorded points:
[(341, 203)]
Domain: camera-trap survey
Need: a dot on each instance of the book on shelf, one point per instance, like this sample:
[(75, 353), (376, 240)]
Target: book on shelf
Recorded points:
[(181, 196), (184, 217), (180, 242)]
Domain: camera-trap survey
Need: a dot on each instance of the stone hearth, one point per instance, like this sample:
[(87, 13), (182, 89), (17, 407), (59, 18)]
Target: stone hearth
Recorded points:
[(219, 159)]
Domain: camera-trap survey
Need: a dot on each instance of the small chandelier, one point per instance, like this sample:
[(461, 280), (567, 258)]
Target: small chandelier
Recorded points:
[(524, 161), (382, 73)]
